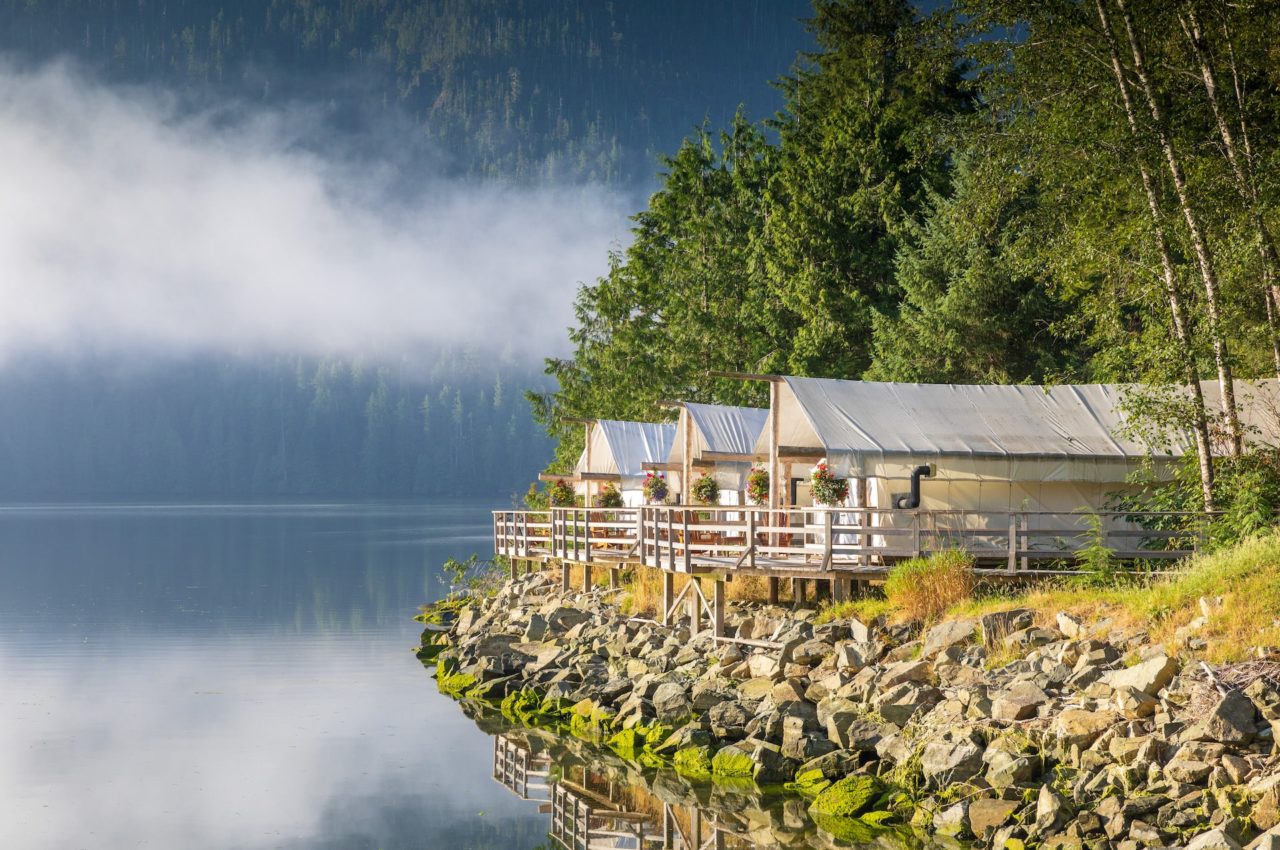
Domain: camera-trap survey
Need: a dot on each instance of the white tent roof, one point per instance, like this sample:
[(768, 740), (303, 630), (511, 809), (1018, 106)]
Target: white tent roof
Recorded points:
[(620, 448), (1012, 432), (721, 429)]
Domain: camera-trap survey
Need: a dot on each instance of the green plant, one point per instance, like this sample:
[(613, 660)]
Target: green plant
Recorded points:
[(1097, 559), (924, 588), (758, 485), (609, 497), (827, 489), (655, 487), (705, 490), (561, 494), (472, 574), (535, 499)]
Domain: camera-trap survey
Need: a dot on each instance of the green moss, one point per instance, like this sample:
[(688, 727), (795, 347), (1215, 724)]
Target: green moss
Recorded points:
[(732, 762), (455, 684), (693, 762), (849, 797), (627, 743), (809, 782), (851, 830)]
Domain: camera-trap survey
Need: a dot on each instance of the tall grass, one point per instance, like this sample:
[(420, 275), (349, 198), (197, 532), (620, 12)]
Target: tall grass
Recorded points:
[(924, 589)]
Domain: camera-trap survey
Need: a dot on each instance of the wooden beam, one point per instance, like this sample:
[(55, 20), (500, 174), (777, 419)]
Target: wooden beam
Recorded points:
[(731, 457), (660, 466), (801, 452), (744, 376), (580, 476)]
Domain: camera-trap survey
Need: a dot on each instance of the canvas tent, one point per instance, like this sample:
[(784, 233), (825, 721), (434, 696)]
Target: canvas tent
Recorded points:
[(718, 439), (994, 448), (617, 451)]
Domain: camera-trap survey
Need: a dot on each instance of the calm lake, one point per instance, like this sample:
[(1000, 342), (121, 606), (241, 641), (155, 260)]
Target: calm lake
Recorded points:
[(237, 676)]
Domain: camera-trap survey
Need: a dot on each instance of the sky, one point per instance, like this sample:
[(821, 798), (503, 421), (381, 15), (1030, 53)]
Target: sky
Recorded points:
[(130, 224)]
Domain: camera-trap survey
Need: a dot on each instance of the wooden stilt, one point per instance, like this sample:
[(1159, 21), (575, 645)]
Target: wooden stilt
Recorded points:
[(695, 606), (718, 607), (773, 590), (615, 578), (668, 596), (586, 578), (564, 576)]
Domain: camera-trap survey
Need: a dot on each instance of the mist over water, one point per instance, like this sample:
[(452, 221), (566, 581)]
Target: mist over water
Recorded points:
[(130, 223)]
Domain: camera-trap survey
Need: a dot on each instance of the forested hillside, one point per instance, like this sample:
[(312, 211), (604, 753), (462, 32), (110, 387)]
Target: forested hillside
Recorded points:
[(1001, 191), (454, 426), (515, 89)]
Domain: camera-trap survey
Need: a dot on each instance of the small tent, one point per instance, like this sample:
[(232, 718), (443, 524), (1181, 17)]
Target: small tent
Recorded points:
[(720, 440), (617, 452)]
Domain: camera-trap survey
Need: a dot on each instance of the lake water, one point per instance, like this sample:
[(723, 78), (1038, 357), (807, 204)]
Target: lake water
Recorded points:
[(231, 676)]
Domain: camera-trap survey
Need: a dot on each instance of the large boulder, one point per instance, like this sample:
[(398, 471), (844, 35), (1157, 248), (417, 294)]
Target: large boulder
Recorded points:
[(1232, 721), (946, 763), (1078, 727), (1149, 676), (948, 634), (671, 703)]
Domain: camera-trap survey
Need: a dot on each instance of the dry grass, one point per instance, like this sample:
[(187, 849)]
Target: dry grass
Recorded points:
[(923, 589), (1247, 577)]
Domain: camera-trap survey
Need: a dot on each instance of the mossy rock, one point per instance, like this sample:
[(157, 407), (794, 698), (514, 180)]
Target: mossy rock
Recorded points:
[(809, 782), (523, 707), (446, 665), (848, 797), (693, 762), (627, 743), (455, 684), (732, 762), (853, 830)]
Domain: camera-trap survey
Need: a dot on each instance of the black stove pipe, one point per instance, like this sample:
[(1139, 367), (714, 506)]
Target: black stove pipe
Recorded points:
[(909, 501)]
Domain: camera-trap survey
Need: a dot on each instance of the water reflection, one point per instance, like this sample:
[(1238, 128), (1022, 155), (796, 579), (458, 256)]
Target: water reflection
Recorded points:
[(235, 677), (593, 800)]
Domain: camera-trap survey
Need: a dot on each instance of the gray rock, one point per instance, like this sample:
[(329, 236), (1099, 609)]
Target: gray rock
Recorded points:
[(852, 732), (1150, 676), (1230, 722), (904, 671), (1005, 768), (948, 762), (900, 704), (988, 814), (671, 703), (728, 720), (946, 635), (952, 820), (1000, 624), (1071, 626), (1214, 839), (1051, 811), (1019, 702)]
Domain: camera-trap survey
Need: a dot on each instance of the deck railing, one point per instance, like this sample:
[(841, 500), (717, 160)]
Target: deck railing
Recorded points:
[(685, 539)]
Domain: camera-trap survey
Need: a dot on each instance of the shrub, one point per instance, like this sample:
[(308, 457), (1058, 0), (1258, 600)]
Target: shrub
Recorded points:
[(924, 588), (758, 486), (609, 497), (655, 487), (826, 488), (705, 490), (561, 494)]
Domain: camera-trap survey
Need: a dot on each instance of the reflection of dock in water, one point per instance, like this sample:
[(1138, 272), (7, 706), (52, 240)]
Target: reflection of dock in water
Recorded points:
[(592, 810)]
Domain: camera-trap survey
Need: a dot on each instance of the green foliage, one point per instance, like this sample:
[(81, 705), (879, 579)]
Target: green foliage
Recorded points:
[(705, 490), (473, 575), (848, 797), (1096, 558)]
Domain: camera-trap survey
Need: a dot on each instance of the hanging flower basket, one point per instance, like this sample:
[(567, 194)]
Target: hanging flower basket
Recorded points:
[(827, 489), (655, 488), (561, 494), (705, 490), (758, 486), (609, 497)]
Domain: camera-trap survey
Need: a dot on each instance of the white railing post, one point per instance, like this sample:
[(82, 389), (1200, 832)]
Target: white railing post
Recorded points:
[(1013, 541), (827, 551), (751, 538)]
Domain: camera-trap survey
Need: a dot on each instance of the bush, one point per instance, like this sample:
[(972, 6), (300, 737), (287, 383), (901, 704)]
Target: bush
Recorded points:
[(609, 497), (705, 490), (924, 588)]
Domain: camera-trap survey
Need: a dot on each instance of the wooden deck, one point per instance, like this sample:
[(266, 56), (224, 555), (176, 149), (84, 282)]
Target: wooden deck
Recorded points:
[(838, 547), (835, 541)]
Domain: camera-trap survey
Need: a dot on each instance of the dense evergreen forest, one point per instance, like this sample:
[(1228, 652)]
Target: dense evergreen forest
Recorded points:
[(525, 90), (454, 425), (1000, 191)]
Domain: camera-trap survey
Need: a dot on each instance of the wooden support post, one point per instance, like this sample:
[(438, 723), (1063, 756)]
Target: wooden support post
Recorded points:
[(838, 592), (586, 536), (640, 533), (564, 576), (695, 605), (1024, 541), (797, 593), (827, 543), (668, 595), (718, 607), (751, 538), (615, 578), (586, 577), (773, 589), (688, 550), (671, 542), (1013, 541), (514, 566)]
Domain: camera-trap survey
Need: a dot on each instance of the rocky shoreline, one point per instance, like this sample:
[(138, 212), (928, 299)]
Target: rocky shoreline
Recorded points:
[(1016, 729)]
